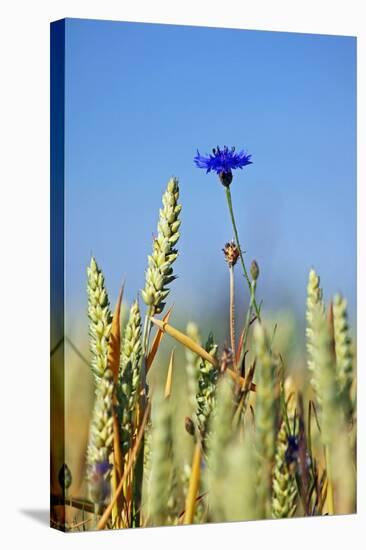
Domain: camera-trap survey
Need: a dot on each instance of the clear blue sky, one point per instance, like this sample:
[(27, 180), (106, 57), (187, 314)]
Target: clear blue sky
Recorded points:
[(141, 98)]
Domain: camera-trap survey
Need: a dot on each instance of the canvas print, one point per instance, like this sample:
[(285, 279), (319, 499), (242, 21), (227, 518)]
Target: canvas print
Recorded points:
[(203, 275)]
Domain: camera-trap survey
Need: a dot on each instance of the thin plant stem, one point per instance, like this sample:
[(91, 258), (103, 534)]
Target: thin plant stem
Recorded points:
[(247, 324), (232, 311), (231, 211), (80, 504), (146, 332), (143, 403), (145, 351)]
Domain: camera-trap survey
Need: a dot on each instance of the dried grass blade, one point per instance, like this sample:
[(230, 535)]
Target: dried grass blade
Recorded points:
[(240, 411), (196, 348), (157, 341), (323, 496), (169, 378), (114, 348), (240, 346), (81, 523), (194, 482), (199, 498), (79, 503), (241, 381), (185, 340)]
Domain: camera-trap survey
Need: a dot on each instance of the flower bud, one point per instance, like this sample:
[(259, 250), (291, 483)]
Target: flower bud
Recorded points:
[(254, 270), (226, 178)]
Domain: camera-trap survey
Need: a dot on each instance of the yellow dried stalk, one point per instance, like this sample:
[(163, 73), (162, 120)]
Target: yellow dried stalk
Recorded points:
[(193, 486), (196, 348), (169, 378)]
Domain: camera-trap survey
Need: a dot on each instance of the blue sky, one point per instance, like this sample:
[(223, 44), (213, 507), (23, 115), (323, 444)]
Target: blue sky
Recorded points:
[(141, 98)]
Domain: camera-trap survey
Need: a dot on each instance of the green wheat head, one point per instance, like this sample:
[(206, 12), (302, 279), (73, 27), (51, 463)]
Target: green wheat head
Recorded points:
[(326, 376), (101, 428), (313, 301), (100, 320), (129, 375), (344, 355), (284, 490), (159, 273), (100, 442), (207, 381)]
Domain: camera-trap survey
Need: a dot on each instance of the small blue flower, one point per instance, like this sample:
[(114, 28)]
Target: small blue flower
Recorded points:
[(223, 161), (99, 481), (101, 468)]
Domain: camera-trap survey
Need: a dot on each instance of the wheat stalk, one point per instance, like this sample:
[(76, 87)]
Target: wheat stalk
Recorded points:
[(161, 462), (265, 418), (220, 437)]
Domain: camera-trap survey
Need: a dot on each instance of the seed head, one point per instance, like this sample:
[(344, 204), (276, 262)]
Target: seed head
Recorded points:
[(231, 253), (254, 270)]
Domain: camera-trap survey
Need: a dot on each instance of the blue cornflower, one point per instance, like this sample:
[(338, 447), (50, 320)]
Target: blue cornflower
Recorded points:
[(99, 482), (101, 468), (223, 161)]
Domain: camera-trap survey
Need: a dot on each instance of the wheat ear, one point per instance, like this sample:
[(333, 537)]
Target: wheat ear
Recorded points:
[(129, 375), (344, 355), (313, 301), (207, 381), (159, 273), (100, 321), (101, 428)]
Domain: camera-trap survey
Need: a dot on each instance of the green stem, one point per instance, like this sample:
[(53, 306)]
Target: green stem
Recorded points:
[(232, 311), (139, 467), (247, 324), (137, 486), (231, 211), (146, 332)]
